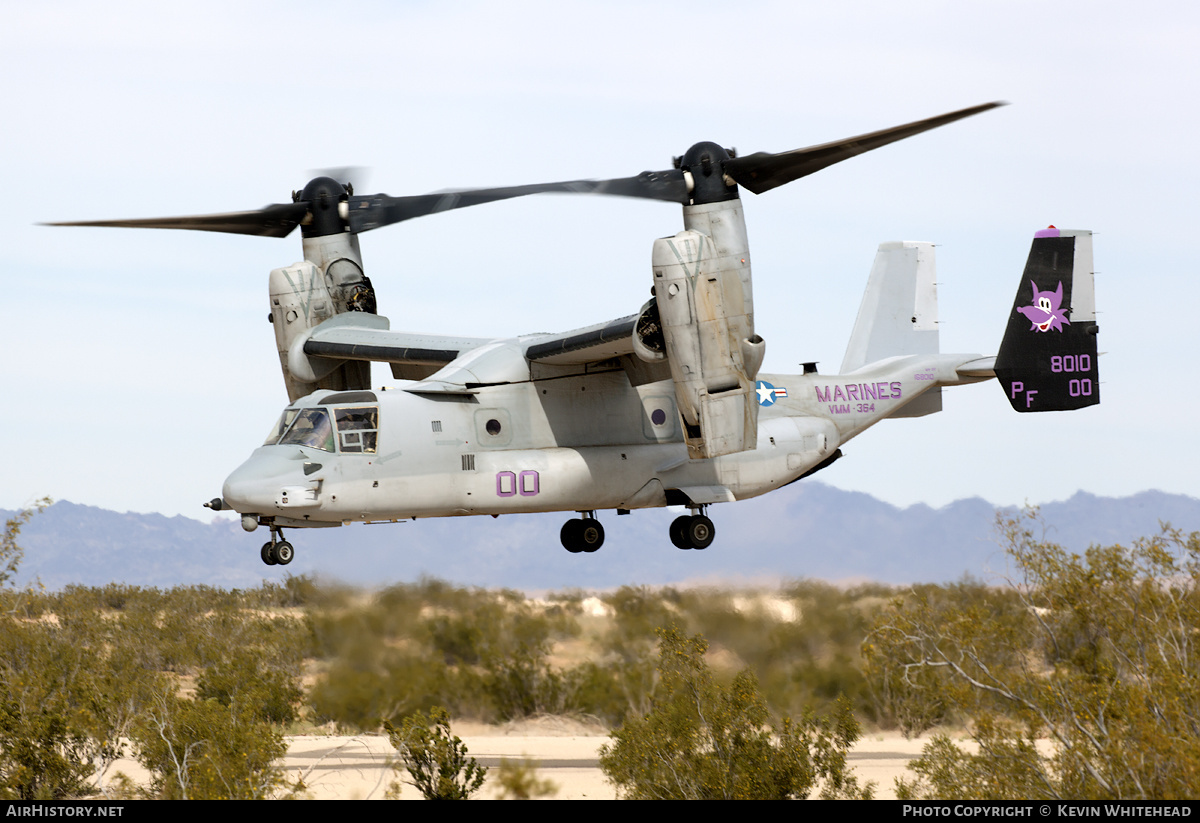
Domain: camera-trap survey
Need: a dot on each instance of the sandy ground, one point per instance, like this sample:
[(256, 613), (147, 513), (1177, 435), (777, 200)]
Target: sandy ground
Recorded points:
[(358, 768)]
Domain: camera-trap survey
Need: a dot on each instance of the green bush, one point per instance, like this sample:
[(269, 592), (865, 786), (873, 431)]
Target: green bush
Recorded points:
[(270, 694), (435, 760), (204, 750), (519, 780), (704, 741), (1095, 652)]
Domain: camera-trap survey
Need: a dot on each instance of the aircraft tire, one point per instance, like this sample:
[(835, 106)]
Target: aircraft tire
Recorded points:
[(569, 535), (268, 554), (591, 534), (700, 531), (284, 553), (678, 532)]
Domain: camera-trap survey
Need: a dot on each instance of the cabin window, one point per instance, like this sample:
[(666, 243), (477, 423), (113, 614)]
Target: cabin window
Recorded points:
[(358, 429)]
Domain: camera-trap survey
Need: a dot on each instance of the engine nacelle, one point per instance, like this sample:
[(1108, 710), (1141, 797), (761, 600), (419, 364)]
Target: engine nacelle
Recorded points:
[(708, 333), (329, 281)]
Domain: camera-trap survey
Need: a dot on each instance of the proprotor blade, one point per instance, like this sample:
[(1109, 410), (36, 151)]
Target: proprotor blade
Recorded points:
[(277, 220), (376, 210), (762, 172)]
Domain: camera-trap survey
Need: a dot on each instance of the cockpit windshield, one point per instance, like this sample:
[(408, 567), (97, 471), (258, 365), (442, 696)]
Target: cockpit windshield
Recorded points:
[(311, 427), (281, 425), (357, 429)]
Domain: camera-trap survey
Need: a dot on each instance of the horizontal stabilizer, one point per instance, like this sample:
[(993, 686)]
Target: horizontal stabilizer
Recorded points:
[(1048, 358)]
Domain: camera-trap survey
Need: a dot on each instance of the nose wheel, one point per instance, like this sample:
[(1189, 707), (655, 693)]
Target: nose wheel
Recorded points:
[(583, 535), (278, 552), (692, 531)]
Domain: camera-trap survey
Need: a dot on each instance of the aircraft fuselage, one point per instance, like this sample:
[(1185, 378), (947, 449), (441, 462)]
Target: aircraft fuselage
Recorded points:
[(574, 443)]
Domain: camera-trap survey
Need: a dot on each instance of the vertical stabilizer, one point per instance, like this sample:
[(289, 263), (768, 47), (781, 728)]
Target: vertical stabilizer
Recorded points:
[(898, 314), (1048, 358)]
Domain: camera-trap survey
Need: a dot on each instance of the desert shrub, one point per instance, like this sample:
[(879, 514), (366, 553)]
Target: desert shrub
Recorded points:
[(1098, 655), (521, 683), (519, 780), (599, 690), (56, 719), (50, 740), (704, 741), (477, 652), (268, 693), (295, 591), (385, 685), (205, 750), (435, 761), (11, 552)]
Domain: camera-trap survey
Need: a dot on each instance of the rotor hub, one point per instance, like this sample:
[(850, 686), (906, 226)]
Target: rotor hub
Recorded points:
[(323, 194), (706, 163)]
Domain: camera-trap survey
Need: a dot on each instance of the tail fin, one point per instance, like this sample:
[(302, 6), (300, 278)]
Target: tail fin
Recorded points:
[(1048, 358), (898, 314)]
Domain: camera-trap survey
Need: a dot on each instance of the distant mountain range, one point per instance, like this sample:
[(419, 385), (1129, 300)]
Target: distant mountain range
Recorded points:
[(807, 530)]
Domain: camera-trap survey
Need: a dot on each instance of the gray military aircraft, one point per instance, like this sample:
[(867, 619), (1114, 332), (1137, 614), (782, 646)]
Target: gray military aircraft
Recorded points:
[(665, 407)]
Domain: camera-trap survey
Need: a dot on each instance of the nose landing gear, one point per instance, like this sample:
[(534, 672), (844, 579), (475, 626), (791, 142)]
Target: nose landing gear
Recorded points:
[(693, 531), (583, 535), (278, 552)]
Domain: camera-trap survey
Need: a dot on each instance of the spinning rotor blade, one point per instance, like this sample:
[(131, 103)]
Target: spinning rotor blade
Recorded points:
[(376, 210), (277, 220), (706, 173), (346, 175), (760, 172)]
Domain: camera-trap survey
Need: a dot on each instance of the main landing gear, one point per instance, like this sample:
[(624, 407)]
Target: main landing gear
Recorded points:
[(278, 552), (583, 535), (693, 531)]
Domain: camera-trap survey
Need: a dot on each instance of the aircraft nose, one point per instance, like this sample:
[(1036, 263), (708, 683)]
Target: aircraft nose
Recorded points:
[(253, 487)]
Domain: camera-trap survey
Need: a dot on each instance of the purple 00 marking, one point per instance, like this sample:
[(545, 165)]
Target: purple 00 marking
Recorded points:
[(1080, 388), (529, 483)]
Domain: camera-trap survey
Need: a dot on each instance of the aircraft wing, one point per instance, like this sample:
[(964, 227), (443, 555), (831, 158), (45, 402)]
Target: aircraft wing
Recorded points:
[(591, 344), (414, 356), (360, 336)]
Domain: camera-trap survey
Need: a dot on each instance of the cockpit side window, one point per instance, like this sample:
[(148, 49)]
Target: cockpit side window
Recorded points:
[(281, 425), (310, 428), (358, 429)]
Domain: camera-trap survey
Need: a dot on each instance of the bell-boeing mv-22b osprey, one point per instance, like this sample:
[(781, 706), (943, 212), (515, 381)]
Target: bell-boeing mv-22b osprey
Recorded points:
[(665, 407)]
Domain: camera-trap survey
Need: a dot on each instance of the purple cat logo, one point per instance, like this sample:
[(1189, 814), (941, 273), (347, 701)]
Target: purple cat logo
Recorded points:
[(1045, 312)]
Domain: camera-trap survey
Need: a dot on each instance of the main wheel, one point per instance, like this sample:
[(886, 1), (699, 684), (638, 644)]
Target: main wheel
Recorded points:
[(591, 534), (284, 553), (678, 532), (268, 554), (570, 537), (700, 532)]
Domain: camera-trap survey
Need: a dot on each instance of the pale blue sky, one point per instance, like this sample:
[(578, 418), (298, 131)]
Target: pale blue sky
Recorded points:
[(139, 367)]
